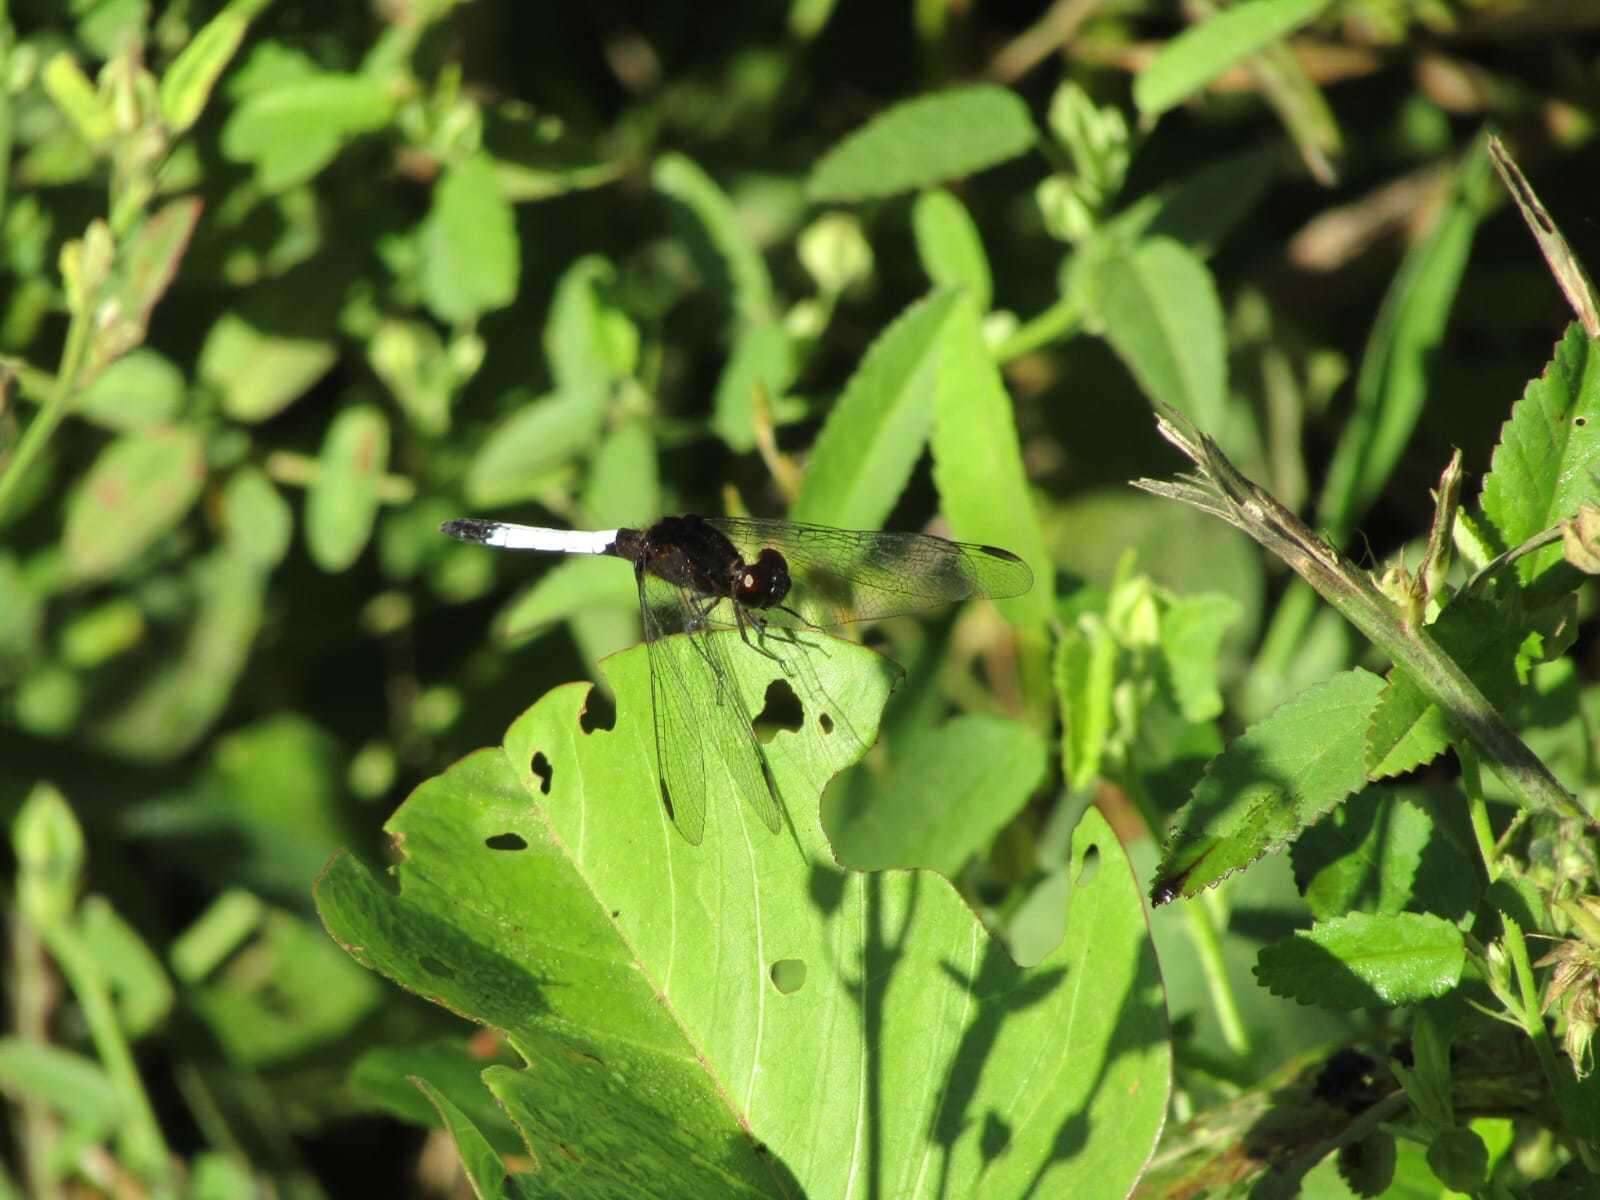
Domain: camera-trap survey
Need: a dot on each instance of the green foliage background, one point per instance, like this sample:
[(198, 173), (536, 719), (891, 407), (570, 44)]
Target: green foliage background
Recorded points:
[(283, 286)]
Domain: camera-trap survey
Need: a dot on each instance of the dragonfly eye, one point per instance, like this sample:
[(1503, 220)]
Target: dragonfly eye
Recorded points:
[(765, 582)]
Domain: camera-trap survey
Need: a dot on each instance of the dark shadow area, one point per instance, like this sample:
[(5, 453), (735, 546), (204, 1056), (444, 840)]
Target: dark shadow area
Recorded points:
[(599, 711), (543, 770)]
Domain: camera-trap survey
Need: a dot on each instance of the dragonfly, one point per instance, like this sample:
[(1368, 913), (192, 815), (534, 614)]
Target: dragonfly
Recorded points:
[(697, 575)]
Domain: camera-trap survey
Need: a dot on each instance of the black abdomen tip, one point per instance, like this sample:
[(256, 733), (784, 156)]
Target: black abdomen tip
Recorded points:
[(468, 529)]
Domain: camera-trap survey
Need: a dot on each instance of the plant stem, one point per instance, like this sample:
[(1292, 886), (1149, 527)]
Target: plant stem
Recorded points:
[(37, 435), (1059, 319), (1208, 945)]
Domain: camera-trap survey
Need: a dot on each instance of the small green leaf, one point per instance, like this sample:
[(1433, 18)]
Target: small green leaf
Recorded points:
[(514, 460), (186, 85), (951, 788), (74, 1087), (1192, 629), (75, 95), (1157, 305), (577, 585), (1364, 855), (139, 487), (343, 502), (1085, 672), (259, 372), (1282, 775), (1543, 468), (1203, 51), (256, 519), (624, 486), (924, 142), (977, 460), (290, 132), (141, 389), (146, 262), (471, 259), (727, 257), (874, 434), (950, 247), (385, 1076), (1366, 961), (138, 984)]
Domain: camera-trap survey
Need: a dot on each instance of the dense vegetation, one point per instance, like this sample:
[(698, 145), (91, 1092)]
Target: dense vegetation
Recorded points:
[(1248, 852)]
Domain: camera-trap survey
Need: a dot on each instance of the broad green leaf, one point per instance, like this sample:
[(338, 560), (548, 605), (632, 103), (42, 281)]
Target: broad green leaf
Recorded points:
[(73, 1086), (1205, 50), (514, 460), (977, 460), (182, 695), (925, 141), (482, 1165), (760, 370), (1393, 382), (1282, 775), (950, 247), (256, 519), (588, 338), (1157, 305), (1192, 629), (290, 132), (544, 891), (1366, 961), (471, 259), (146, 262), (1407, 728), (624, 485), (342, 505), (1085, 672), (1364, 855), (139, 487), (873, 437), (728, 259), (141, 389), (1543, 467), (577, 585), (259, 372), (949, 791), (186, 85)]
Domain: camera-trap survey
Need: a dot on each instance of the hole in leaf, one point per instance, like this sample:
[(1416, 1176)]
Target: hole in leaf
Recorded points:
[(825, 722), (1089, 868), (782, 710), (599, 711), (788, 975), (433, 966), (543, 769), (506, 841)]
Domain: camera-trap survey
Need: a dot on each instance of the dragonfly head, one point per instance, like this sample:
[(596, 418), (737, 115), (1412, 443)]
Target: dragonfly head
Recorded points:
[(763, 583)]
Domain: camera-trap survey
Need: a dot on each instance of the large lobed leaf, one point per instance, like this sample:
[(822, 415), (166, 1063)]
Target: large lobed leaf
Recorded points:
[(743, 1017)]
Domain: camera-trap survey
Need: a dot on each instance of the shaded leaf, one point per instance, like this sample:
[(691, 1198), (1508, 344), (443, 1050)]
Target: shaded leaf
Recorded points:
[(950, 247), (542, 435), (1365, 961), (925, 141), (342, 505), (145, 265), (727, 257), (471, 259), (139, 487), (291, 131)]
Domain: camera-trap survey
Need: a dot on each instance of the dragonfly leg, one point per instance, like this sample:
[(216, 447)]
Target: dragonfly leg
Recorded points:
[(747, 619)]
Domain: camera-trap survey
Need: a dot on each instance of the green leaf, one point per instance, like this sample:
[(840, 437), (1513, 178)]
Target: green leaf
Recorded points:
[(1393, 382), (874, 434), (386, 1076), (1192, 628), (950, 790), (1202, 208), (73, 1086), (132, 972), (520, 452), (290, 132), (977, 460), (634, 973), (569, 588), (484, 1168), (763, 361), (75, 95), (259, 372), (1408, 729), (728, 259), (146, 262), (139, 487), (588, 338), (624, 486), (256, 519), (342, 505), (141, 389), (1157, 305), (1543, 467), (186, 85), (1366, 961), (1282, 775), (471, 259), (1365, 855), (925, 141), (1203, 51), (950, 247), (1085, 673)]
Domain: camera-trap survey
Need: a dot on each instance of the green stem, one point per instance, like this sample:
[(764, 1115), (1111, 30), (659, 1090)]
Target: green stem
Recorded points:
[(141, 1140), (1060, 319), (1208, 945), (43, 425)]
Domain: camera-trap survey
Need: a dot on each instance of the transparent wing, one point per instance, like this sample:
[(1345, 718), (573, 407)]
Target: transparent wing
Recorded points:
[(700, 719), (842, 575)]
